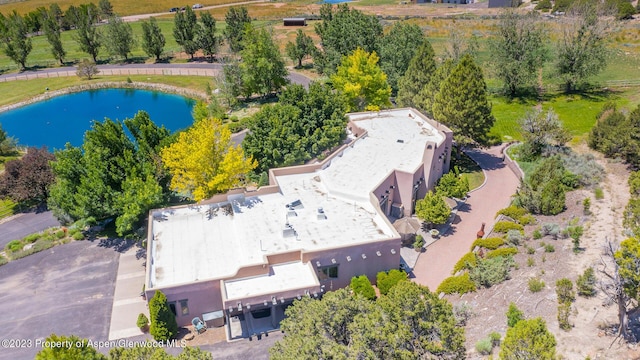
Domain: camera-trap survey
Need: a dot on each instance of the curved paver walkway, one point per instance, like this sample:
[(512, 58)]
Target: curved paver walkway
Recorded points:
[(436, 264), (188, 69)]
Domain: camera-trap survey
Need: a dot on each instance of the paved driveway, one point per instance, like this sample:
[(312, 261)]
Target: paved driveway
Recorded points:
[(21, 225), (66, 290), (437, 263)]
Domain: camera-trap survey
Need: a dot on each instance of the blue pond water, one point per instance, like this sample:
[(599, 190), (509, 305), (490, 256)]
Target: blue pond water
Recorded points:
[(62, 119)]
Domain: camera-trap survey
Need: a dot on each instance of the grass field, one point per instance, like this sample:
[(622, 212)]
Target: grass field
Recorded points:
[(468, 169), (6, 208)]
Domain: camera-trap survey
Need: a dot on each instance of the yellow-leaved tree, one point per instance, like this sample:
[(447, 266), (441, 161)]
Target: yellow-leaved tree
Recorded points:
[(362, 82), (205, 161)]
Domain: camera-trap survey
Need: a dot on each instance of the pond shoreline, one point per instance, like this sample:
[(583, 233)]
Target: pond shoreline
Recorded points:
[(193, 94)]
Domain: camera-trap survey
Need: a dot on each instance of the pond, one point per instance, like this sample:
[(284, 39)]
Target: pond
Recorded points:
[(65, 118)]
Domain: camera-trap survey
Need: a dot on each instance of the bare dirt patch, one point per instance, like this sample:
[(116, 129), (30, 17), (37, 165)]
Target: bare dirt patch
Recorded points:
[(590, 316)]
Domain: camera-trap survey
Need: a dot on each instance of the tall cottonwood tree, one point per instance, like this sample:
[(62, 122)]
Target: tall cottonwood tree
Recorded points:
[(87, 35), (582, 50), (206, 36), (300, 49), (462, 103), (14, 40), (118, 37), (237, 19), (263, 68), (153, 40), (184, 31), (397, 49), (52, 30), (518, 50), (417, 76)]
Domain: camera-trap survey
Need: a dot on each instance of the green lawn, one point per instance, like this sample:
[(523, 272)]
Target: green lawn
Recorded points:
[(6, 208), (468, 169)]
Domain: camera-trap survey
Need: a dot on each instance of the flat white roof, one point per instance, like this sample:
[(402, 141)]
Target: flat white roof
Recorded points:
[(214, 241), (281, 277)]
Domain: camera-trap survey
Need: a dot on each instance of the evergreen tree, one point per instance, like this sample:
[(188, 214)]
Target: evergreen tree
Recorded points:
[(528, 339), (14, 40), (462, 103), (428, 94), (206, 36), (397, 49), (87, 35), (77, 349), (433, 209), (153, 40), (360, 285), (184, 31), (385, 280), (163, 320), (302, 48), (519, 50), (263, 69), (118, 37), (237, 20), (52, 32), (417, 76)]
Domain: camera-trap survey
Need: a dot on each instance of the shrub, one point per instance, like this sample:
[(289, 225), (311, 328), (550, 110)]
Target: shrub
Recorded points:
[(462, 313), (72, 231), (528, 339), (3, 260), (467, 261), (504, 252), (457, 285), (14, 246), (536, 285), (599, 193), (531, 262), (584, 166), (163, 322), (515, 237), (40, 245), (452, 184), (552, 229), (513, 211), (530, 250), (527, 219), (564, 290), (495, 338), (586, 283), (543, 5), (360, 285), (488, 243), (78, 236), (514, 315), (31, 238), (549, 248), (505, 226), (586, 206), (59, 234), (419, 242), (484, 346), (564, 310), (386, 280), (143, 321), (537, 234), (492, 271)]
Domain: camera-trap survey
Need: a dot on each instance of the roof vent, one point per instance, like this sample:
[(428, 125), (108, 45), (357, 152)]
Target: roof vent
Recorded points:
[(321, 214), (297, 204), (400, 141), (288, 231), (291, 212)]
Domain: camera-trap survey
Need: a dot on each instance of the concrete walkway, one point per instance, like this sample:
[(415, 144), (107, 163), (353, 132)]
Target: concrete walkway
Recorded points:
[(127, 302), (482, 205)]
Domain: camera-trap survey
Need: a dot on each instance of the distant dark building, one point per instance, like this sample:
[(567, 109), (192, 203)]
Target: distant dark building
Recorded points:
[(295, 21), (504, 3)]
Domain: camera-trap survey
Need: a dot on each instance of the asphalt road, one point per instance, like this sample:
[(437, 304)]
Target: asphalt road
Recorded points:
[(24, 224), (66, 290)]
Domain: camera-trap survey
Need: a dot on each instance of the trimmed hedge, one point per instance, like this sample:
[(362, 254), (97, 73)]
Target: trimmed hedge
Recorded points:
[(457, 285), (508, 251), (488, 243), (505, 226), (467, 261), (514, 212)]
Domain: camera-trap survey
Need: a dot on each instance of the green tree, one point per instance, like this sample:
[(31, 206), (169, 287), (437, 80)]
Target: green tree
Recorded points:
[(586, 283), (397, 48), (237, 19), (118, 37), (87, 35), (184, 31), (343, 31), (52, 29), (14, 40), (263, 69), (302, 48), (153, 40), (433, 209), (28, 178), (628, 260), (74, 348), (540, 129), (462, 103), (528, 339), (163, 321), (452, 184), (106, 9), (519, 50), (204, 160), (87, 69), (360, 285), (458, 45), (427, 95), (417, 76), (385, 280), (230, 83), (362, 82), (206, 36), (582, 50), (514, 315)]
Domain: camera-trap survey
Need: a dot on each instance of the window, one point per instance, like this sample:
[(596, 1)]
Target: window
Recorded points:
[(328, 272), (184, 307), (172, 306)]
